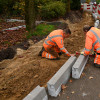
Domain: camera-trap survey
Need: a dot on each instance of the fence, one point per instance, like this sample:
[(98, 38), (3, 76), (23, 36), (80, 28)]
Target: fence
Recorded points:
[(92, 7)]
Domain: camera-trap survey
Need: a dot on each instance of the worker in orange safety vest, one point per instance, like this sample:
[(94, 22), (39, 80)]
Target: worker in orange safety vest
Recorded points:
[(53, 45), (92, 41)]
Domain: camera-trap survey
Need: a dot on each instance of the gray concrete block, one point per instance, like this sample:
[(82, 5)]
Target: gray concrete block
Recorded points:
[(14, 20), (95, 15), (61, 77), (39, 22), (96, 24), (15, 28), (38, 93), (79, 66), (55, 23)]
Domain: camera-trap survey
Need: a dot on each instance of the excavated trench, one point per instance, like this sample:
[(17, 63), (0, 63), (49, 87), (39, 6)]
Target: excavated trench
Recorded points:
[(20, 75)]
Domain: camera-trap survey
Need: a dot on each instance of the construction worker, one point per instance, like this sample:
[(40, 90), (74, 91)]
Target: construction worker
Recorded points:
[(53, 45), (92, 41)]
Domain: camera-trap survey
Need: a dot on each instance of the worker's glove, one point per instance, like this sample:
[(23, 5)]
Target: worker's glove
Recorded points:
[(82, 53), (93, 53), (72, 54)]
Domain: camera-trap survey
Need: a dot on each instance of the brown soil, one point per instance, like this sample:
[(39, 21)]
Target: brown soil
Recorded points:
[(20, 75)]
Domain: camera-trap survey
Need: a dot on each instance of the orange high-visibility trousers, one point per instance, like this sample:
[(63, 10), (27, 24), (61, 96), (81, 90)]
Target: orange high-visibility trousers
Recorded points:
[(51, 53), (97, 59), (48, 55)]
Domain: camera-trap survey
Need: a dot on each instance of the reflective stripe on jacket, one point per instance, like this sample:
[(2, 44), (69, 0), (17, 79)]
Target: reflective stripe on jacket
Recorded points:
[(55, 38), (92, 40)]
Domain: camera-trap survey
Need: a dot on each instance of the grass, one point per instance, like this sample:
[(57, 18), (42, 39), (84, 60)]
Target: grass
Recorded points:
[(42, 30), (6, 42), (0, 20)]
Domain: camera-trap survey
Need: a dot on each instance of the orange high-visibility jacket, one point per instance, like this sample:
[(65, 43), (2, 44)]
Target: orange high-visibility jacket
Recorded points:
[(55, 38), (92, 40)]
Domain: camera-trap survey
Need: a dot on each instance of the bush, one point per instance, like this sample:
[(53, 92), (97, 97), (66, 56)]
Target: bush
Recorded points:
[(87, 1), (6, 7), (53, 10), (98, 1), (19, 8)]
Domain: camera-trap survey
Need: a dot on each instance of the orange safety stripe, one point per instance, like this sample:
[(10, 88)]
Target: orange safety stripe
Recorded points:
[(96, 35), (87, 49), (95, 43)]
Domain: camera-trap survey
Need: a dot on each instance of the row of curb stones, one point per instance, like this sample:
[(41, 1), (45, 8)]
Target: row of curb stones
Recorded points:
[(61, 77), (54, 84)]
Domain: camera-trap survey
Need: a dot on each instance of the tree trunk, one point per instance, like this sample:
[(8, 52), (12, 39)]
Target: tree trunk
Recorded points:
[(68, 6), (30, 15)]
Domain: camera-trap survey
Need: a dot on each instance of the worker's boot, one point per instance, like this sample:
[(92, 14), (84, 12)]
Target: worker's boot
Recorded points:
[(55, 58), (60, 53), (97, 65), (40, 53)]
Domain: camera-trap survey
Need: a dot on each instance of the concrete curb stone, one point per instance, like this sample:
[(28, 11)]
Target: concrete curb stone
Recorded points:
[(39, 93), (61, 77)]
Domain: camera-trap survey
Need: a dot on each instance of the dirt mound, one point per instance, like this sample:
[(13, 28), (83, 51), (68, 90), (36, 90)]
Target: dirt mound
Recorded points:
[(7, 54), (74, 16), (24, 72)]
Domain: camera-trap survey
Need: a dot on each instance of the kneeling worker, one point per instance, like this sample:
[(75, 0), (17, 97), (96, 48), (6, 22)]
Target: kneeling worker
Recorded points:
[(92, 40), (53, 45)]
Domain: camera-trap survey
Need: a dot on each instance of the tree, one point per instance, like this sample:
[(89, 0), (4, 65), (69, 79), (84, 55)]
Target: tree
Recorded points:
[(98, 1), (67, 2), (30, 15), (87, 1), (6, 7), (68, 5)]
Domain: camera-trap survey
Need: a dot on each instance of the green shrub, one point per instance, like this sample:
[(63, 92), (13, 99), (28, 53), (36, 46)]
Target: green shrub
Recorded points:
[(41, 30), (98, 1), (53, 10), (6, 6), (19, 8)]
